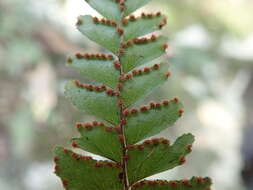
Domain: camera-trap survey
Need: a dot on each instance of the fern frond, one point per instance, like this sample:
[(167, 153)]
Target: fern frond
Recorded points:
[(119, 80)]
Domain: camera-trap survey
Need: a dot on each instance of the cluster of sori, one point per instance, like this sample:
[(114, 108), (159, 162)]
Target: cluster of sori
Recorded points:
[(122, 129)]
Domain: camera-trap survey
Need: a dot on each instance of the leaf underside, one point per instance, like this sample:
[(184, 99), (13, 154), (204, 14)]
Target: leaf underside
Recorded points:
[(79, 173), (104, 35), (140, 54), (143, 125), (111, 100), (104, 69), (142, 26), (157, 157), (195, 183), (100, 140), (142, 85), (132, 5), (95, 103), (111, 11)]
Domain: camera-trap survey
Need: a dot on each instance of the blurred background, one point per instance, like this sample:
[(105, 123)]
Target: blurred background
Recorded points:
[(211, 58)]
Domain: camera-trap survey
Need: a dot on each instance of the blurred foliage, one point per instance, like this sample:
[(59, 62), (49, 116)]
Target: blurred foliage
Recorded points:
[(34, 116), (218, 17)]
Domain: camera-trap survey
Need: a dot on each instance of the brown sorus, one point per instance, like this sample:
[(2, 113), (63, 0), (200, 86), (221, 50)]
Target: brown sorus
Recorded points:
[(144, 108), (95, 123), (152, 104), (158, 14), (88, 126), (165, 102), (132, 18), (134, 111), (176, 100), (146, 70), (156, 66), (167, 74), (74, 144), (120, 31), (153, 38), (182, 160), (79, 125), (95, 20), (116, 65), (79, 56), (165, 46)]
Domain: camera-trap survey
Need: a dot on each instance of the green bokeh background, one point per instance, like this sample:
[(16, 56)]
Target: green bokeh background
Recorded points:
[(211, 60)]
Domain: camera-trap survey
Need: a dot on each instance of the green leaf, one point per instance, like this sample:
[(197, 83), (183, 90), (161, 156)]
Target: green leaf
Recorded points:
[(155, 156), (146, 124), (142, 26), (99, 140), (102, 34), (139, 54), (142, 85), (132, 5), (104, 69), (195, 183), (107, 8), (93, 102), (79, 172)]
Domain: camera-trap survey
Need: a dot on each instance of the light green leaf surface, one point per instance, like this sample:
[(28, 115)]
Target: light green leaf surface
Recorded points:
[(139, 54), (142, 26), (156, 158), (104, 35), (96, 103), (78, 173), (107, 8), (122, 38), (146, 124), (195, 183), (132, 5), (100, 140), (104, 69), (141, 85)]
